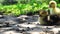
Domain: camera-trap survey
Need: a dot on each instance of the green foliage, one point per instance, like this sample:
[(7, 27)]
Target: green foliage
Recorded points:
[(24, 6), (58, 5), (9, 2)]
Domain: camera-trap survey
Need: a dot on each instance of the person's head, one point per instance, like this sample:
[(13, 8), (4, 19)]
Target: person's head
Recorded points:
[(52, 4)]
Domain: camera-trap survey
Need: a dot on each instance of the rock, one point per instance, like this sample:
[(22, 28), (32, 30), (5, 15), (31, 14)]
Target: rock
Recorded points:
[(1, 16), (28, 28), (58, 32), (7, 24)]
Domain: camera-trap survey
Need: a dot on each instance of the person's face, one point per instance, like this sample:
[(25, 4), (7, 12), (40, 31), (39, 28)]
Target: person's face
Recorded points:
[(52, 5)]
